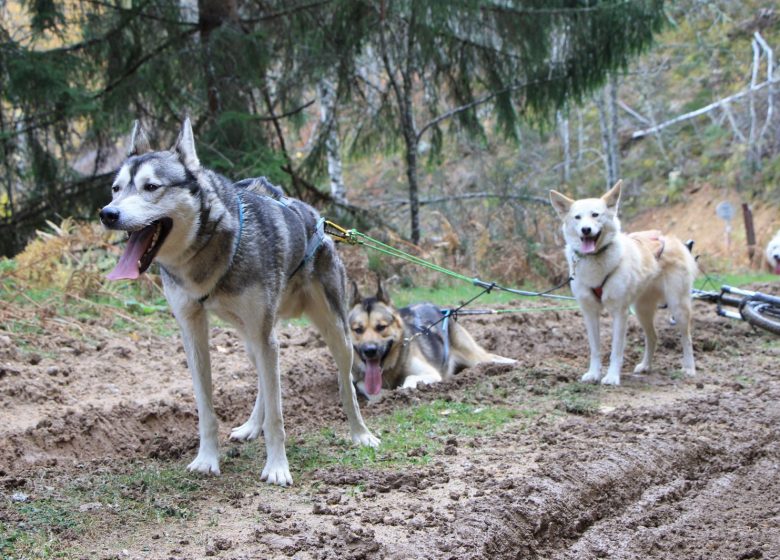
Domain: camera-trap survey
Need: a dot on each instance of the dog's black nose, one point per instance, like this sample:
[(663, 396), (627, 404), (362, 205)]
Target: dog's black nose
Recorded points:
[(586, 230), (109, 215), (369, 351)]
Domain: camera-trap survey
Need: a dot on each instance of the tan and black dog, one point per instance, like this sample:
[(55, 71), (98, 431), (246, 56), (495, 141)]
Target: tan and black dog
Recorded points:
[(389, 355)]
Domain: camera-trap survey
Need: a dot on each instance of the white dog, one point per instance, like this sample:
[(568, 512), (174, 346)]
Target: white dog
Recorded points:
[(613, 270), (773, 253)]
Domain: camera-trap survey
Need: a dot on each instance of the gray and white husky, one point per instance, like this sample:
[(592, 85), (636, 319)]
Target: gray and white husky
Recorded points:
[(250, 259)]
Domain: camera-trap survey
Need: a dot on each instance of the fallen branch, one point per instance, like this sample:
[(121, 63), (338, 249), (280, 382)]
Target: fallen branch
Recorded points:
[(467, 196)]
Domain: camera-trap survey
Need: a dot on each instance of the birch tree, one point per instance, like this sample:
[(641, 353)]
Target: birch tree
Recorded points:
[(520, 58)]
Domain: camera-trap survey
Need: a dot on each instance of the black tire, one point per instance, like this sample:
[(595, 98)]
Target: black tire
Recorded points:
[(762, 315)]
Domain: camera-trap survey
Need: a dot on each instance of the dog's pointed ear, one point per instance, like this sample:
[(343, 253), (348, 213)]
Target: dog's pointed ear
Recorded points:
[(381, 294), (185, 147), (139, 141), (612, 197), (561, 203), (355, 298)]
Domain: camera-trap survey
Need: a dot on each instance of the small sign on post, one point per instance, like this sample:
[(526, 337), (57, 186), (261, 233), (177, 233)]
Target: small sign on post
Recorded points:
[(725, 212)]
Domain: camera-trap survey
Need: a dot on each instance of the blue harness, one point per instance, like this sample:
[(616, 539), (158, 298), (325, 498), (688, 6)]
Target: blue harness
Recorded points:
[(276, 195)]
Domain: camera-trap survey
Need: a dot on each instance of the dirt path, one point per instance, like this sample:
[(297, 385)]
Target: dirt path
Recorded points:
[(661, 467)]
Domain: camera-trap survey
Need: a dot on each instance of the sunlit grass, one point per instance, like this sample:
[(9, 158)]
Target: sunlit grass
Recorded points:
[(713, 281)]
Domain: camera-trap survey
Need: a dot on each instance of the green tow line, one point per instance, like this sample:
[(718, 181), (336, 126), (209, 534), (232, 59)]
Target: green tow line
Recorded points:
[(354, 237)]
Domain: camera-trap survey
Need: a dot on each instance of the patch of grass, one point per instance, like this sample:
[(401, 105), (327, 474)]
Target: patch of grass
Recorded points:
[(451, 296), (17, 544), (713, 282), (146, 493), (151, 491), (409, 436), (125, 307), (578, 398)]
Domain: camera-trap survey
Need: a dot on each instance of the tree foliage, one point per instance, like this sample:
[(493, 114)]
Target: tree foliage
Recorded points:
[(74, 75)]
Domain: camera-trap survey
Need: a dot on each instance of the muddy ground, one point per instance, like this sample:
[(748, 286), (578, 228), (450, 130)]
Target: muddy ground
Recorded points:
[(661, 467)]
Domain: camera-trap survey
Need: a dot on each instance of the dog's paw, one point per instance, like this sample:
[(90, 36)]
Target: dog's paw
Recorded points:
[(591, 377), (246, 432), (205, 463), (690, 371), (496, 359), (611, 379), (642, 368), (366, 439), (277, 473), (411, 382)]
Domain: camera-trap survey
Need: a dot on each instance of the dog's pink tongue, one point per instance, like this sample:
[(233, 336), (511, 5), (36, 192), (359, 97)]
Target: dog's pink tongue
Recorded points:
[(777, 268), (588, 244), (373, 377), (127, 267)]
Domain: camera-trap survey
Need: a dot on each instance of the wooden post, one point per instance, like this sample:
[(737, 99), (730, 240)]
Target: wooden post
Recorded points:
[(750, 232)]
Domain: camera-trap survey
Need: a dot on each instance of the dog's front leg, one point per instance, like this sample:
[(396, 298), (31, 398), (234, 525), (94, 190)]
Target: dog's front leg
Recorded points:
[(254, 425), (619, 323), (194, 329), (265, 349), (336, 335), (420, 372), (591, 315)]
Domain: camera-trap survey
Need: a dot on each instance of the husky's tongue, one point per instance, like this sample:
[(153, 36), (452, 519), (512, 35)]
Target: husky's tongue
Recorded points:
[(127, 267), (588, 244), (373, 377), (777, 268)]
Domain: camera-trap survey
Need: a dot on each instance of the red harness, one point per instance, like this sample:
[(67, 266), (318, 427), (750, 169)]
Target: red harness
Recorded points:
[(600, 289)]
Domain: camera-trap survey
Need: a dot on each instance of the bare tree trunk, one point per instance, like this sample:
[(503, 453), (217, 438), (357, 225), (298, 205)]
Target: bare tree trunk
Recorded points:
[(7, 146), (580, 137), (653, 122), (411, 141), (211, 15), (563, 130), (604, 127), (606, 101), (370, 72), (326, 90), (612, 105), (403, 95)]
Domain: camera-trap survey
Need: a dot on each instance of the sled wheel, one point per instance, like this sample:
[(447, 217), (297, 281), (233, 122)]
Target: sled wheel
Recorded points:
[(762, 315)]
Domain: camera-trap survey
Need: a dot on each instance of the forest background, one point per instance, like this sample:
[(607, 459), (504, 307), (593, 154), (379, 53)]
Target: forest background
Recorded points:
[(436, 126)]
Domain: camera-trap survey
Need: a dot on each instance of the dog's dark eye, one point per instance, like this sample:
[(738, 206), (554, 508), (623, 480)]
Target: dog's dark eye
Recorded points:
[(358, 330), (380, 328), (116, 188), (151, 187), (595, 214), (577, 217)]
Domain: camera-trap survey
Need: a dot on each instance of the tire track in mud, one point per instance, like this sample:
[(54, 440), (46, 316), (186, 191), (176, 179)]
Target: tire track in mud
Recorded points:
[(615, 495)]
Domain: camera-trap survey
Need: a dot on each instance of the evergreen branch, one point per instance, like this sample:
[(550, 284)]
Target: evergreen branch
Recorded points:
[(555, 11), (143, 60), (287, 12), (38, 205), (466, 196), (452, 112), (139, 12), (289, 113)]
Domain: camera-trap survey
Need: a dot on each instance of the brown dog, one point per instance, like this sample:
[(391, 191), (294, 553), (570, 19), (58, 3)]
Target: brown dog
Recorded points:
[(394, 348)]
